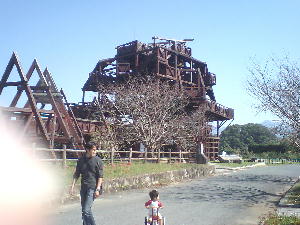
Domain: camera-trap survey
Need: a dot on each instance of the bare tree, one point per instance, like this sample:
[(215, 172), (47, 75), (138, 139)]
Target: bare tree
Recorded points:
[(276, 85), (145, 109), (112, 134), (191, 129)]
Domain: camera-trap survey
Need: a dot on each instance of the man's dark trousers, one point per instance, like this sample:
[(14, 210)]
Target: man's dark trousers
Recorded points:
[(87, 198)]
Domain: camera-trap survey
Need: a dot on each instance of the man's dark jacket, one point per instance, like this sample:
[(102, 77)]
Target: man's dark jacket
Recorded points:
[(90, 169)]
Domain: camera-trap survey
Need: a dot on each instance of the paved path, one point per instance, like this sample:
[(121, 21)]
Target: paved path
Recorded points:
[(235, 198)]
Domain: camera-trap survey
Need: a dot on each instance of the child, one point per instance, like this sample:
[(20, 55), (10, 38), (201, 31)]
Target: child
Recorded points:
[(154, 205)]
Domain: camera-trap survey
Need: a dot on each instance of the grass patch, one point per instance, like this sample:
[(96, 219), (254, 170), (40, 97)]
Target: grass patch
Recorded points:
[(135, 169), (280, 220), (294, 195), (122, 169)]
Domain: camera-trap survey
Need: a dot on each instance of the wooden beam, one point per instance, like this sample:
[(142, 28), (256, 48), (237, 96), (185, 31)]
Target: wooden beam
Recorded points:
[(8, 70), (58, 114), (31, 99), (21, 89), (27, 123), (17, 83), (24, 110)]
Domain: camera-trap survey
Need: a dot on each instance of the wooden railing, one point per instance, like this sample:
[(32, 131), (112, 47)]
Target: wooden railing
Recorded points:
[(116, 156), (278, 161)]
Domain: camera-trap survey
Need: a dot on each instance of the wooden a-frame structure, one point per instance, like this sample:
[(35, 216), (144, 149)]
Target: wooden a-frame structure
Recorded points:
[(47, 127)]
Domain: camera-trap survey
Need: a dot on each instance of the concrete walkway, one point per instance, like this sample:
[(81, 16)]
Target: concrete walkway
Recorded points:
[(283, 208), (238, 198)]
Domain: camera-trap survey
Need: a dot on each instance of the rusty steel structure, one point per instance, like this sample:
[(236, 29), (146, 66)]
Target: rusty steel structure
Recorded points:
[(49, 119), (170, 60), (44, 119)]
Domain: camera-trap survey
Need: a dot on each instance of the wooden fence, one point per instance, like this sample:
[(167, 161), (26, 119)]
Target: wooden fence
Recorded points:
[(279, 161), (116, 156)]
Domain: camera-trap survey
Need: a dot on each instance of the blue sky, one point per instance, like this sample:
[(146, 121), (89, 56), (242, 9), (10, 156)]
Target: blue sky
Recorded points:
[(69, 37)]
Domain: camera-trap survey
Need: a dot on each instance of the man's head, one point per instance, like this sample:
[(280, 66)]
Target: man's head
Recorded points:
[(153, 195), (90, 149)]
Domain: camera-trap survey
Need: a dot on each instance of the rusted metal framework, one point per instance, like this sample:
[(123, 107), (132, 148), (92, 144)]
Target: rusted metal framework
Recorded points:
[(46, 127), (169, 60), (47, 118)]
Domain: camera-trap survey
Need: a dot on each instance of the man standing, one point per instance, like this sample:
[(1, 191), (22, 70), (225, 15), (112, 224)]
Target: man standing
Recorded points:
[(90, 167)]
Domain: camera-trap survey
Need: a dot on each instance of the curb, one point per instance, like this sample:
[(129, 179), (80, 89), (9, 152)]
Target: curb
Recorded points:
[(239, 168)]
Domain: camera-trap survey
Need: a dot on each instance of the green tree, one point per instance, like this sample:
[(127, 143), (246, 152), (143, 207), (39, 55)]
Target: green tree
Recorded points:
[(237, 138)]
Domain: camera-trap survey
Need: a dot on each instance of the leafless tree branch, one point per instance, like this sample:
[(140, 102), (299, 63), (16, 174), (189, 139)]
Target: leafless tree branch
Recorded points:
[(276, 86)]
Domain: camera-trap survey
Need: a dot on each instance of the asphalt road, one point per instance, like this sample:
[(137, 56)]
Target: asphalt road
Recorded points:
[(234, 198)]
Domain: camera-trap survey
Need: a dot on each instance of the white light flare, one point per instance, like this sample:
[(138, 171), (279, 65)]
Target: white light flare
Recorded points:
[(25, 185)]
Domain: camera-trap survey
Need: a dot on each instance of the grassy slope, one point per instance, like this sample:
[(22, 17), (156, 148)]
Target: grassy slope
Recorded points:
[(294, 195), (123, 170), (281, 220)]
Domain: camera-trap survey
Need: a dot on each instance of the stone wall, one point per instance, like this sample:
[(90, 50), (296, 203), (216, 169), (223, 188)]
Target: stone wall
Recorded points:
[(151, 180), (144, 181)]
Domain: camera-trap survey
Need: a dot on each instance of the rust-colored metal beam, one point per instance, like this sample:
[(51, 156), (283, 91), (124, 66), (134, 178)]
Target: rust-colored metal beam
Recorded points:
[(14, 61)]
